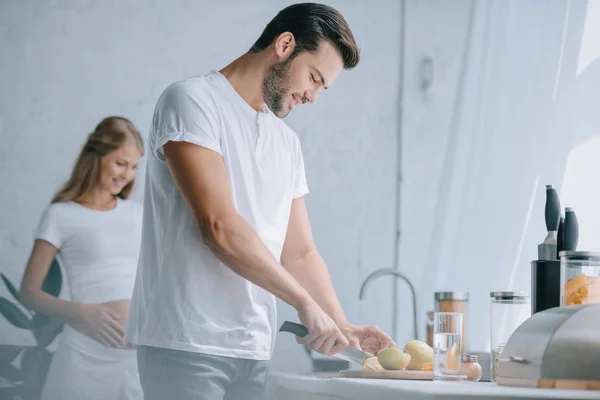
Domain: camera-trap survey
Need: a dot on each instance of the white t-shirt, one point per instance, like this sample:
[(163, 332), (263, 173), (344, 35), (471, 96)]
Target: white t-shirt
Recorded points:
[(184, 297), (98, 250)]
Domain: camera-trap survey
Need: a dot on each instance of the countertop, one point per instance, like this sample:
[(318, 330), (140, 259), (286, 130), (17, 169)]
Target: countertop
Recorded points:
[(310, 387)]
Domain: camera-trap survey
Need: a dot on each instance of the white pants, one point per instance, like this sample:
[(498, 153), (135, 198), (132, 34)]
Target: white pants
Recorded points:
[(85, 369)]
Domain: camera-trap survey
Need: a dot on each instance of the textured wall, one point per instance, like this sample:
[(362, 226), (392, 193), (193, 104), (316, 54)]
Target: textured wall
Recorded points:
[(67, 64)]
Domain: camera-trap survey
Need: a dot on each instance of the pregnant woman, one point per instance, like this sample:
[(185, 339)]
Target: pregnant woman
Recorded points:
[(95, 232)]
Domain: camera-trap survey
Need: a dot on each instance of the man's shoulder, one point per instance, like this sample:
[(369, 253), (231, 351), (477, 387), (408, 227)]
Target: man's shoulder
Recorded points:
[(196, 87)]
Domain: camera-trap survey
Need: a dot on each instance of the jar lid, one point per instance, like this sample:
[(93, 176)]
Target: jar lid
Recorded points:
[(459, 296), (509, 295), (579, 255), (469, 357)]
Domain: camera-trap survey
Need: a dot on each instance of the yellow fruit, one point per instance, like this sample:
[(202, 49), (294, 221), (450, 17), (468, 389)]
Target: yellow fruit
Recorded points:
[(372, 363), (454, 349), (393, 359), (420, 353)]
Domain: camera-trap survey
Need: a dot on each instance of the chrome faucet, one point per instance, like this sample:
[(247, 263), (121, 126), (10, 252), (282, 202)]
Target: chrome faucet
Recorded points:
[(396, 273)]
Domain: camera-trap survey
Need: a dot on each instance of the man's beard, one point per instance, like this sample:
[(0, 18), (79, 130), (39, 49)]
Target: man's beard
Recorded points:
[(275, 87)]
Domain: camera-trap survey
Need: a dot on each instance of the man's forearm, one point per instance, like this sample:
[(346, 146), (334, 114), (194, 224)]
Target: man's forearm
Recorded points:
[(238, 246), (311, 272)]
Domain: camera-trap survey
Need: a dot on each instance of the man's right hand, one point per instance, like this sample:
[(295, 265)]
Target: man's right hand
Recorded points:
[(324, 336)]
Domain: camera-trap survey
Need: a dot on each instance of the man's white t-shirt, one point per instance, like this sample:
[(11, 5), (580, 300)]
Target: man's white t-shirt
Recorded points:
[(184, 297)]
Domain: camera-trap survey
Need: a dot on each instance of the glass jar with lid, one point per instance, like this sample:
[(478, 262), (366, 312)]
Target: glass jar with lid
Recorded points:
[(579, 278), (508, 310)]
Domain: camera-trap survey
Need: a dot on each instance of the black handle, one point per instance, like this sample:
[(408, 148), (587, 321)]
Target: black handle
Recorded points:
[(571, 230), (559, 237), (292, 327), (552, 209)]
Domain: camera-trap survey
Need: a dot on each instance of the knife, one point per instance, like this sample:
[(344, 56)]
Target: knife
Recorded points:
[(351, 354), (548, 248)]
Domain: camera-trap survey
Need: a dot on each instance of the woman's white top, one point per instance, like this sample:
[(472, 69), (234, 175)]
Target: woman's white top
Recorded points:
[(98, 250)]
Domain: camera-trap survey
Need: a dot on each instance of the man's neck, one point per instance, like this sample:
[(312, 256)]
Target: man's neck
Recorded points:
[(245, 74)]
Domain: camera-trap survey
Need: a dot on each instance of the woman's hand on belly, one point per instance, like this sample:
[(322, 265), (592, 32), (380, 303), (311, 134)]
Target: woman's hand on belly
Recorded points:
[(101, 323), (121, 307)]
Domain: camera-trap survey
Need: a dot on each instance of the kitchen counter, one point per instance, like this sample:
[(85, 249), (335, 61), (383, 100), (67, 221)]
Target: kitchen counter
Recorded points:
[(299, 387)]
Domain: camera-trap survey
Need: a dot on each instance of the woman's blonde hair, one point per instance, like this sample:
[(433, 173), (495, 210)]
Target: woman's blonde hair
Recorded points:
[(110, 134)]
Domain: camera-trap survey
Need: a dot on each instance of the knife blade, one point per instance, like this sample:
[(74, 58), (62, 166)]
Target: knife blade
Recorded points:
[(351, 354)]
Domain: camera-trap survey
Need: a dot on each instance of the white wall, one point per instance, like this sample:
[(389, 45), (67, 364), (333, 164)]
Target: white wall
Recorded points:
[(435, 31), (509, 101), (580, 188), (67, 64)]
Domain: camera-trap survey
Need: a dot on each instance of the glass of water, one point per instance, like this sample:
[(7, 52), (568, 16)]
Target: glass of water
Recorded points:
[(447, 345)]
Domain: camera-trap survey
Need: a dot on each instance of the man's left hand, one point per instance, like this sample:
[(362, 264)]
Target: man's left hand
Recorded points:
[(367, 338)]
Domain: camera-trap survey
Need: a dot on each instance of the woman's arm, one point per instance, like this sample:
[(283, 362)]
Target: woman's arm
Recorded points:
[(94, 320), (32, 294)]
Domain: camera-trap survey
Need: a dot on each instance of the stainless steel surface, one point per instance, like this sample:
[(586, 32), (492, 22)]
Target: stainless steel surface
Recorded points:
[(457, 296), (520, 360), (354, 355), (558, 343), (509, 295), (547, 251), (397, 274), (484, 361)]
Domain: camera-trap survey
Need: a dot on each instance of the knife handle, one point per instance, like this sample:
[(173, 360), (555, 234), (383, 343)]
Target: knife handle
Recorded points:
[(552, 209), (571, 230), (292, 327), (559, 237)]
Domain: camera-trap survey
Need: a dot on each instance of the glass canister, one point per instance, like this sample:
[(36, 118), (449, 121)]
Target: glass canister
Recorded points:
[(508, 310), (579, 278), (454, 302)]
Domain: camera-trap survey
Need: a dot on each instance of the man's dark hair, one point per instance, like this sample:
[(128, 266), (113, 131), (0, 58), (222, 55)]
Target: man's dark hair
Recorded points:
[(311, 24)]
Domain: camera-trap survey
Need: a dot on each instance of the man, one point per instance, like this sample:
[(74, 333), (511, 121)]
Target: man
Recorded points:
[(225, 223)]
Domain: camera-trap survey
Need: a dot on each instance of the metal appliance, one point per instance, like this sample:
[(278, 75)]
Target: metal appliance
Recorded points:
[(554, 348)]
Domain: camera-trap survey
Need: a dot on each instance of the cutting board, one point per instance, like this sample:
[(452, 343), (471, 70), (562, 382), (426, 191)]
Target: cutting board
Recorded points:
[(371, 374)]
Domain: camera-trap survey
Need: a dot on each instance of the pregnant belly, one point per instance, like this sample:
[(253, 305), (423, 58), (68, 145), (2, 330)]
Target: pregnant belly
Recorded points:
[(121, 307), (118, 307)]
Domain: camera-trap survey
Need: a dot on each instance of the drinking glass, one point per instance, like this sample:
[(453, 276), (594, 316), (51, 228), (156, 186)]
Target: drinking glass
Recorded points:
[(447, 345)]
